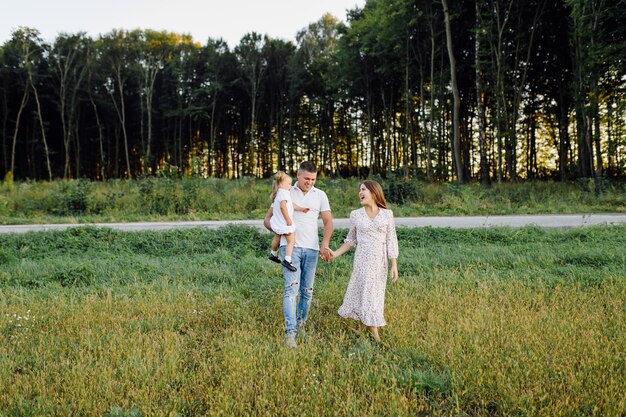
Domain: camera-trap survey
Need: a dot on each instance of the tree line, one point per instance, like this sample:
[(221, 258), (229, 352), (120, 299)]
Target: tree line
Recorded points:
[(491, 90)]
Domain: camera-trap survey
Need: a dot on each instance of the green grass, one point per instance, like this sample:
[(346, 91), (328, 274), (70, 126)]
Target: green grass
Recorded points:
[(520, 322), (159, 199)]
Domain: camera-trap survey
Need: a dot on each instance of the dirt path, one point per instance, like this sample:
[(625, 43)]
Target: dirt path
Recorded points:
[(561, 221)]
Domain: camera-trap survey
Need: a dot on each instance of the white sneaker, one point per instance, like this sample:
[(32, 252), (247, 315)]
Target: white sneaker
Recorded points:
[(290, 340)]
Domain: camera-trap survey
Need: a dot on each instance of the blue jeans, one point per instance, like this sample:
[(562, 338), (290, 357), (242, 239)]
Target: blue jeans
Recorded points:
[(300, 281)]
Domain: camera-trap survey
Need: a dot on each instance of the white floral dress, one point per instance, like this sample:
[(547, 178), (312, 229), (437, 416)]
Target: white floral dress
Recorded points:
[(375, 242)]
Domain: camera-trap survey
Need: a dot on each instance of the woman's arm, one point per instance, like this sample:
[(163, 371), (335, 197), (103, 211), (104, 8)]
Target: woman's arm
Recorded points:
[(394, 270), (392, 246), (342, 249)]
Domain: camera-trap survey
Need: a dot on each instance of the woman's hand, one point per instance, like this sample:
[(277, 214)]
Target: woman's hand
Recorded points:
[(394, 273), (327, 254)]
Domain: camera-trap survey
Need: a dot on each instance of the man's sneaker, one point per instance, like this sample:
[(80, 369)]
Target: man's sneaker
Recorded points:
[(289, 266), (273, 258), (290, 340)]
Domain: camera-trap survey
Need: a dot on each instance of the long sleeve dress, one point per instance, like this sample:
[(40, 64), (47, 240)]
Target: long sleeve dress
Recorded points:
[(375, 242)]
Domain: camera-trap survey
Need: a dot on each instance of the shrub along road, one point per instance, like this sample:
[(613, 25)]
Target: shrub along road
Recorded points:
[(560, 221)]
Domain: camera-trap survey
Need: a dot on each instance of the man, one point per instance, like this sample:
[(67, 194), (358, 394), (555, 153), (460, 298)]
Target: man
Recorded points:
[(306, 251)]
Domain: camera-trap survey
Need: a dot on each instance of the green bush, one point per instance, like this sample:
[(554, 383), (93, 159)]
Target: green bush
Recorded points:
[(72, 197), (78, 275), (8, 181), (595, 186), (400, 190), (4, 206), (193, 198)]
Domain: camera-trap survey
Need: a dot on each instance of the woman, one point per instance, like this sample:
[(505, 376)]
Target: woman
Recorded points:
[(373, 232)]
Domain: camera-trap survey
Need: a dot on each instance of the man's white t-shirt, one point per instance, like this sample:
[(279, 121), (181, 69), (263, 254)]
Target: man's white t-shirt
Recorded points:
[(306, 223)]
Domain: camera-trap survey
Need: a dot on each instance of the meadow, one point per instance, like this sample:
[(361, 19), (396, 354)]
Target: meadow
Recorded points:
[(483, 322), (165, 198)]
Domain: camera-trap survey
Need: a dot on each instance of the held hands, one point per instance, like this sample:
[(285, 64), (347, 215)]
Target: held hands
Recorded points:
[(326, 254)]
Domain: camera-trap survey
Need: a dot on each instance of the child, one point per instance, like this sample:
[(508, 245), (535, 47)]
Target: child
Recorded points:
[(281, 221)]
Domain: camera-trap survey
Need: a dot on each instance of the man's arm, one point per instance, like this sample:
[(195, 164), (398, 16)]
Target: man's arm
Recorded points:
[(266, 220), (327, 219)]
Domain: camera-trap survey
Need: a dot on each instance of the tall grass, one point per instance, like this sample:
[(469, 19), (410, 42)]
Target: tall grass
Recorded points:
[(154, 198), (519, 322)]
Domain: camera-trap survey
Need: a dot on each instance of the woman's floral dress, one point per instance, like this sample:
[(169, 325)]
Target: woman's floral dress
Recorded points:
[(375, 242)]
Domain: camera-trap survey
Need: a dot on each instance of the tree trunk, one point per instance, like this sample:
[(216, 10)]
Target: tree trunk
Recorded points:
[(77, 148), (66, 134), (5, 119), (100, 138), (65, 67), (212, 132), (121, 114), (480, 108), (563, 123), (595, 130), (43, 130), (407, 112), (17, 126), (429, 134), (456, 127)]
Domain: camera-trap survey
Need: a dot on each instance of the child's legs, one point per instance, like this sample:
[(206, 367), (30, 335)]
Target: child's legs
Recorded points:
[(291, 242), (275, 242)]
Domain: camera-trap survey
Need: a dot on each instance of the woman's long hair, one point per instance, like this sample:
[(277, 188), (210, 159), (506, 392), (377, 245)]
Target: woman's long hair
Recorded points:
[(278, 178), (377, 192)]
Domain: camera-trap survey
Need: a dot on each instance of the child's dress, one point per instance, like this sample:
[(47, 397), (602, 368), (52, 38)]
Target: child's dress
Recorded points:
[(277, 221), (375, 242)]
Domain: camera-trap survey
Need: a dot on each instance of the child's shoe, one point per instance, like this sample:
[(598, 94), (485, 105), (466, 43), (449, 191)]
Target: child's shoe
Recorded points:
[(273, 258), (289, 266)]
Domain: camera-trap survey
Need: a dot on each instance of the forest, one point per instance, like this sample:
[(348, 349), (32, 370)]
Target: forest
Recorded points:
[(459, 91)]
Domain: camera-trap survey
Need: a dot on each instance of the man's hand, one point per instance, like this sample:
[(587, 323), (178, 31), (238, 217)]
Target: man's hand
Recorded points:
[(326, 254)]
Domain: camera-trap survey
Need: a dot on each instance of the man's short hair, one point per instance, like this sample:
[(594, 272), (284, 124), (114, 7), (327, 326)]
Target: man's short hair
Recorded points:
[(308, 166)]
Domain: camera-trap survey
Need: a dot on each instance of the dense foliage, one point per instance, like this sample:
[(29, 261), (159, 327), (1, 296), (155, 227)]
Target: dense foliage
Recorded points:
[(508, 89), (158, 198)]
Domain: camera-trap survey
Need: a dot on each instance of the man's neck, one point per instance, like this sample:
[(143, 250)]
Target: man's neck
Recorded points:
[(303, 192)]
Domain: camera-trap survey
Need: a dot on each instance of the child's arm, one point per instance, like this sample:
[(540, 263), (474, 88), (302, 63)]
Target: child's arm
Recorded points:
[(283, 209), (302, 209)]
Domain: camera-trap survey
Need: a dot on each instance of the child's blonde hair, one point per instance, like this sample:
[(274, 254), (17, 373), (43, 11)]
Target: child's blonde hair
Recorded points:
[(278, 178)]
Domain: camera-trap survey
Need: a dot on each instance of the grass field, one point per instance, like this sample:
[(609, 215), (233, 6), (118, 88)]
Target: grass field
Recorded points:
[(248, 198), (521, 322)]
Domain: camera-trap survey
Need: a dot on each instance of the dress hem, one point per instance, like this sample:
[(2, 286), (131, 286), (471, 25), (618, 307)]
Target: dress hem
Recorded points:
[(355, 316)]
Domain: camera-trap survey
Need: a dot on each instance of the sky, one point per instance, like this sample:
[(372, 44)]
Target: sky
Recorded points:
[(226, 19)]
